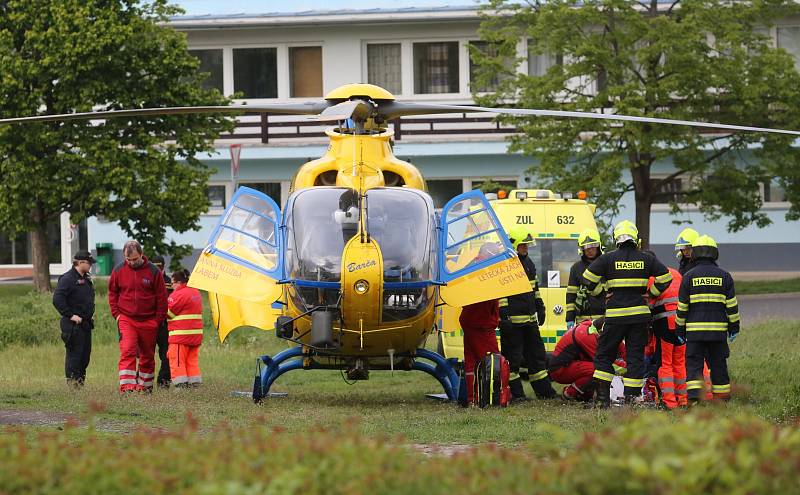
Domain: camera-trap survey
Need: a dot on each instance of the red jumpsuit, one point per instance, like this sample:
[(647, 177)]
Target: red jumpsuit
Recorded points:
[(138, 301), (672, 372), (572, 362), (185, 324), (479, 322)]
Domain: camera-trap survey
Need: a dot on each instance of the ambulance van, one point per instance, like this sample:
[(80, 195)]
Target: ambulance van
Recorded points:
[(555, 221)]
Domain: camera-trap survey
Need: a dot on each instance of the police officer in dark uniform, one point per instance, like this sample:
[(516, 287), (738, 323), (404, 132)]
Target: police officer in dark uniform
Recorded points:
[(162, 337), (74, 300), (708, 313), (520, 317), (626, 272)]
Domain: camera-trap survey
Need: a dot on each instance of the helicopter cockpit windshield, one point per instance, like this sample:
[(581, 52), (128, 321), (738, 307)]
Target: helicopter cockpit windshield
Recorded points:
[(400, 221), (320, 221)]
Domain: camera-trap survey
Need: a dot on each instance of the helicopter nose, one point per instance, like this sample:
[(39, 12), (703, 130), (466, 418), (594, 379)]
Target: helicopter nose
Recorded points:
[(362, 283)]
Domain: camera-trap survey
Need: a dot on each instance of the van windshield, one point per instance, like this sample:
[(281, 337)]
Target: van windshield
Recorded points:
[(553, 255)]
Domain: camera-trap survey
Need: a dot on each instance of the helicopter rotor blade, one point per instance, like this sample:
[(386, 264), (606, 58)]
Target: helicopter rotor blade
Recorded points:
[(397, 109), (277, 108), (356, 109)]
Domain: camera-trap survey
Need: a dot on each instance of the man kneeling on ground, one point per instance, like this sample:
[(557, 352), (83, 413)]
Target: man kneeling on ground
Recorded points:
[(572, 362)]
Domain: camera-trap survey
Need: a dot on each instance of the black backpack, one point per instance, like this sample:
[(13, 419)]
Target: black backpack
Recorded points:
[(491, 381)]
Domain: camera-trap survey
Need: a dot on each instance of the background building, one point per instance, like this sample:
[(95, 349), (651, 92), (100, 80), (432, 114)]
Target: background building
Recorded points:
[(418, 50)]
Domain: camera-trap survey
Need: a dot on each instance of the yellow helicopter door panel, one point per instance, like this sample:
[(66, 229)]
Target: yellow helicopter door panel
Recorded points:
[(244, 257), (476, 260), (229, 313)]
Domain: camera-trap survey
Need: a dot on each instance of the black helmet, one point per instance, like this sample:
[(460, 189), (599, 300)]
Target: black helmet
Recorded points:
[(157, 260)]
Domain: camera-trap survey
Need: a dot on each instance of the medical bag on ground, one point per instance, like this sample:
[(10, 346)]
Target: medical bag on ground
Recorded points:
[(491, 381)]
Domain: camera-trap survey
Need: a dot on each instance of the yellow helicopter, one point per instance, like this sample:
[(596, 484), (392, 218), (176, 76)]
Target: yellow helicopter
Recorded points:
[(358, 259), (352, 269)]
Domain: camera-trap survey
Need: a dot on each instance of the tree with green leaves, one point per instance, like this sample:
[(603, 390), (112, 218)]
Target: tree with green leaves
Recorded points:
[(699, 60), (65, 56)]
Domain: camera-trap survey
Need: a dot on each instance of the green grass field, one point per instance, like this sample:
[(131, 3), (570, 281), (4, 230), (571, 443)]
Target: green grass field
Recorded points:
[(764, 364), (767, 286)]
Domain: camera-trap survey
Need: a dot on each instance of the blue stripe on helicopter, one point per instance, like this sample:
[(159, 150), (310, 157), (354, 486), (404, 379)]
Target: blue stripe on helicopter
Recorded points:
[(407, 285), (314, 284), (336, 285)]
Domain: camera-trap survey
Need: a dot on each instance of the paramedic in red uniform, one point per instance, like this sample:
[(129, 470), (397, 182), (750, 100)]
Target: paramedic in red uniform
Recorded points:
[(185, 324), (138, 300), (572, 362), (479, 322)]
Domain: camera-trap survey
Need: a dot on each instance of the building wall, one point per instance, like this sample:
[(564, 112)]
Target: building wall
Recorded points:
[(343, 53)]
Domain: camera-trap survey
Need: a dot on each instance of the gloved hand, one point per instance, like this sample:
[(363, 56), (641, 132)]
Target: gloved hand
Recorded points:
[(540, 317), (732, 336), (504, 313), (505, 326), (570, 324), (680, 335)]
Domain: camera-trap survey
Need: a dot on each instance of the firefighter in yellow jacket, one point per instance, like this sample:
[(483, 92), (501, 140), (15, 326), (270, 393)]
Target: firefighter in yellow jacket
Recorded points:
[(708, 315), (581, 303), (626, 272), (520, 317)]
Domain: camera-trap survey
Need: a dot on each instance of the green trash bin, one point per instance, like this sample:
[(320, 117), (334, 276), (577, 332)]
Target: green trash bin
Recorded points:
[(105, 258)]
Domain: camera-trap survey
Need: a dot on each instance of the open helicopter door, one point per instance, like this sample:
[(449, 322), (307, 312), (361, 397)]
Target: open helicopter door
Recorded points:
[(476, 259), (243, 262)]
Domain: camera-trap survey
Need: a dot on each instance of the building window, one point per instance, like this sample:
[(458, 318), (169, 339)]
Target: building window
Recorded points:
[(491, 51), (216, 197), (271, 189), (255, 72), (667, 192), (789, 40), (17, 251), (305, 71), (444, 190), (211, 63), (539, 63), (773, 192), (384, 66), (436, 67)]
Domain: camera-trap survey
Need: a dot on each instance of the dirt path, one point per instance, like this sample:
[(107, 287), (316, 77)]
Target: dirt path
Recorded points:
[(33, 418)]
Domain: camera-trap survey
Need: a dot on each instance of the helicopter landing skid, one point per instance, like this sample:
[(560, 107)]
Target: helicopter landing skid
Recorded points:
[(294, 359)]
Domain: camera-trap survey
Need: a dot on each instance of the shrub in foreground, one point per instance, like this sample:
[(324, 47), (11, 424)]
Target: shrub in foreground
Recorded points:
[(698, 453)]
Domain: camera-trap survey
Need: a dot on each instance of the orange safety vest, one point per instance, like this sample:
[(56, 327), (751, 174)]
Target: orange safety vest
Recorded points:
[(185, 316), (666, 304)]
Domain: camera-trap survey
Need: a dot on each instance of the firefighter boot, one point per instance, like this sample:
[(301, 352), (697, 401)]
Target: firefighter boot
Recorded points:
[(543, 389), (517, 392), (602, 399)]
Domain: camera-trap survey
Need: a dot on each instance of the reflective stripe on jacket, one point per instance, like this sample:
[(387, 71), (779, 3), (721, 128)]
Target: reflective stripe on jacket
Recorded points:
[(626, 272), (666, 305), (595, 301), (524, 308), (185, 316), (707, 304)]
